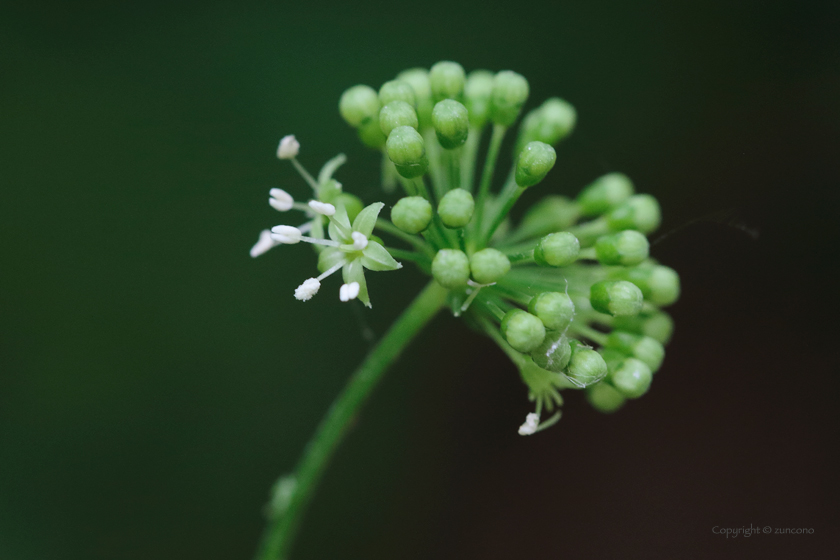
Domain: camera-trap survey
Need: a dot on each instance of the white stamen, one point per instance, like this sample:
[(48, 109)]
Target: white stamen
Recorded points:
[(532, 421), (319, 241), (289, 147), (264, 244), (309, 288), (280, 200), (360, 241), (286, 234), (473, 294), (348, 291), (331, 270), (324, 208)]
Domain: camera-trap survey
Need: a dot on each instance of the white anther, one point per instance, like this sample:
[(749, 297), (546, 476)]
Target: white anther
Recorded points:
[(324, 208), (360, 240), (280, 200), (264, 244), (309, 288), (286, 234), (348, 291), (289, 147), (532, 422)]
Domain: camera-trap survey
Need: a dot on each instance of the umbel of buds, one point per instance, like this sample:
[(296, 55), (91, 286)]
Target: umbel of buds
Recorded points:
[(570, 293)]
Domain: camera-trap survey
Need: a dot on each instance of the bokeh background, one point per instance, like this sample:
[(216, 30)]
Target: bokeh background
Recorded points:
[(154, 379)]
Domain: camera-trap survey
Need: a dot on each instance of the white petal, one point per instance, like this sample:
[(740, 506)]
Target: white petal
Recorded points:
[(289, 147), (309, 288), (360, 240), (286, 234), (280, 200), (348, 291), (324, 208), (264, 244)]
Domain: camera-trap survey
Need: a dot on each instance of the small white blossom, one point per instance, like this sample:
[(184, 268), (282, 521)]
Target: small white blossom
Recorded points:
[(286, 234), (324, 208), (532, 422), (309, 288), (348, 291), (289, 147), (280, 200), (360, 240), (264, 244)]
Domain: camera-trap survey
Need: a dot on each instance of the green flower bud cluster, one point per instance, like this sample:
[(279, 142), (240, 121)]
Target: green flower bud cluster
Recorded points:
[(570, 293)]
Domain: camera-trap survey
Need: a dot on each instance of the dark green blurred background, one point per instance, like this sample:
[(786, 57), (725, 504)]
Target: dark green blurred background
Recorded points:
[(154, 379)]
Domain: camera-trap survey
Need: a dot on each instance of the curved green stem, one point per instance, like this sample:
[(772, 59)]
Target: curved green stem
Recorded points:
[(295, 492)]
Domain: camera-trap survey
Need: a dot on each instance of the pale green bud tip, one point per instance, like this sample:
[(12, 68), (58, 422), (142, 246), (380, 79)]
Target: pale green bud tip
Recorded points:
[(554, 309), (447, 80), (535, 161), (557, 249), (659, 284), (397, 90), (604, 398), (510, 91), (586, 366), (370, 133), (549, 123), (418, 79), (451, 268), (658, 326), (488, 265), (523, 331), (640, 212), (477, 93), (358, 104), (625, 248), (451, 122), (456, 208), (554, 353), (406, 149), (619, 298), (604, 193), (412, 214), (396, 114), (632, 378), (644, 348)]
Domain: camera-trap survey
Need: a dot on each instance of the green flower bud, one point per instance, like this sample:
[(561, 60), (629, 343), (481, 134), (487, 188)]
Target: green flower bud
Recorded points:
[(619, 298), (329, 190), (645, 348), (397, 90), (451, 268), (554, 309), (554, 352), (658, 325), (358, 104), (659, 284), (535, 161), (395, 114), (557, 249), (418, 79), (612, 358), (523, 331), (456, 208), (586, 366), (604, 398), (632, 378), (604, 193), (552, 213), (477, 93), (488, 265), (550, 122), (370, 133), (407, 150), (639, 212), (451, 122), (412, 214), (625, 248), (447, 81), (352, 204), (510, 92)]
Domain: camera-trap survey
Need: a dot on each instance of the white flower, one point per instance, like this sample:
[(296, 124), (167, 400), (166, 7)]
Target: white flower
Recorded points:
[(348, 291), (289, 147), (264, 244), (324, 208), (532, 422), (309, 288), (280, 200), (286, 234), (360, 240)]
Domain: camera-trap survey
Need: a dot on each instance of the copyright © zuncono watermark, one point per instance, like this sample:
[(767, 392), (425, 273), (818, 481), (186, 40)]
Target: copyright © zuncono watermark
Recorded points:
[(734, 532)]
